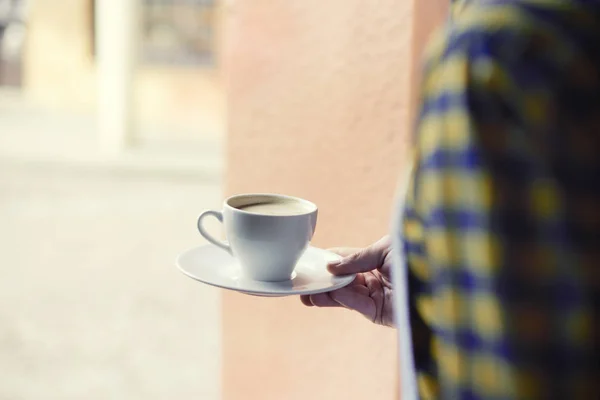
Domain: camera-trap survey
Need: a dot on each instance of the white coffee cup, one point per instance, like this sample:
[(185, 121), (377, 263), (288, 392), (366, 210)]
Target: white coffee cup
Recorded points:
[(267, 233)]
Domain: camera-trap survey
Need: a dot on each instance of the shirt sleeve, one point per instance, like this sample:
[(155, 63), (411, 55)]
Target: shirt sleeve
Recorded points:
[(498, 297)]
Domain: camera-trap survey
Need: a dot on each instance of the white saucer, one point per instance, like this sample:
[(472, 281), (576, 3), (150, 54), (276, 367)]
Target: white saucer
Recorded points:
[(213, 266)]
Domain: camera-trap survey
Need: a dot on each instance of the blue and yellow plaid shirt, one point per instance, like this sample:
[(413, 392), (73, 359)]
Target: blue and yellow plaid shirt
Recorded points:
[(502, 220)]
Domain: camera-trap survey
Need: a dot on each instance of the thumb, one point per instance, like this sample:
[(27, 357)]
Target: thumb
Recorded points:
[(363, 260)]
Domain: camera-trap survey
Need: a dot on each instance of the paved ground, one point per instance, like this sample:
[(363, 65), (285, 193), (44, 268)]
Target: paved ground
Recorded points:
[(91, 305)]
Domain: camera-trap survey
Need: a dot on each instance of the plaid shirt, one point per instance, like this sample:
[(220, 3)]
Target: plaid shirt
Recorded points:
[(502, 217)]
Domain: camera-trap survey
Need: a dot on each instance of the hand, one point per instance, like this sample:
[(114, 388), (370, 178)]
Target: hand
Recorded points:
[(371, 293)]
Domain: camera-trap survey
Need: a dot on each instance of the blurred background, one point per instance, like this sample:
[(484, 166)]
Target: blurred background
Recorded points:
[(120, 120), (111, 136)]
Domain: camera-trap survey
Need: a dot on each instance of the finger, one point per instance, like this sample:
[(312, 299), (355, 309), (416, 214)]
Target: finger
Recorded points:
[(359, 284), (359, 280), (344, 251), (323, 300), (362, 290), (364, 260), (373, 284), (349, 298), (305, 299)]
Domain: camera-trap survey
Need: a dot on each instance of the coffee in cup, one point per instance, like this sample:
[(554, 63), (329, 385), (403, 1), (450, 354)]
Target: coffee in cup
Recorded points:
[(267, 233)]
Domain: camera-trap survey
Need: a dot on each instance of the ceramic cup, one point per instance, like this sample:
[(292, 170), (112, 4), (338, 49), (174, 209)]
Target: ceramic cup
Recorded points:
[(267, 233)]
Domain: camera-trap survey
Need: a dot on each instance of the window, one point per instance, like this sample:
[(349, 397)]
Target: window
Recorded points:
[(12, 39), (178, 32)]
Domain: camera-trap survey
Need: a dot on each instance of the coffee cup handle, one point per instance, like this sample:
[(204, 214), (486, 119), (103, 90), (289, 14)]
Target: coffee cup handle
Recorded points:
[(218, 215)]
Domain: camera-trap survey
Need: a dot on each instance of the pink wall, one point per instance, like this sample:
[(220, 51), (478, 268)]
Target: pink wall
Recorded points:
[(319, 104)]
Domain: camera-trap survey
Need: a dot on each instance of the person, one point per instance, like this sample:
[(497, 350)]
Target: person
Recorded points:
[(500, 229)]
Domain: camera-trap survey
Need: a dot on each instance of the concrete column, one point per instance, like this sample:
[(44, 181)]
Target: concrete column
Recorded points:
[(117, 48)]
